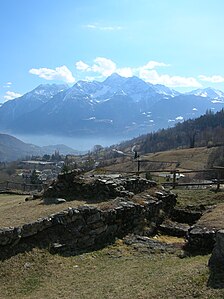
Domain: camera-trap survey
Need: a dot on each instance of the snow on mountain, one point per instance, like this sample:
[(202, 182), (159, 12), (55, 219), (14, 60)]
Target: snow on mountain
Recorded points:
[(209, 92), (30, 101), (162, 89), (117, 105), (115, 80)]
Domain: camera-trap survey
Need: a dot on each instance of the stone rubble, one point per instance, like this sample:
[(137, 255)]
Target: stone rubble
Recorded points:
[(88, 227)]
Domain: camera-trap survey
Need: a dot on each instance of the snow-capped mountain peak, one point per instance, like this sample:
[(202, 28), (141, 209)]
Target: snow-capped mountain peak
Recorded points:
[(208, 93)]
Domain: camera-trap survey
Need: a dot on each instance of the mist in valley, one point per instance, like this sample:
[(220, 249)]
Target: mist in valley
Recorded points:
[(81, 144)]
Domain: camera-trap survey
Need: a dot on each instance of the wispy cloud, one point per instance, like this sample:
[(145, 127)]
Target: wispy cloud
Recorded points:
[(105, 67), (153, 64), (97, 26), (10, 95), (212, 79), (148, 73), (82, 66), (61, 73), (7, 85), (154, 77)]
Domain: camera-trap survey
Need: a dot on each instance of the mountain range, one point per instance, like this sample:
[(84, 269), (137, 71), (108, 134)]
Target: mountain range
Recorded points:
[(117, 106), (12, 148)]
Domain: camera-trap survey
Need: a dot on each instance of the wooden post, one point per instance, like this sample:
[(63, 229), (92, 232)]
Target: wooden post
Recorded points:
[(174, 179), (138, 166), (218, 180)]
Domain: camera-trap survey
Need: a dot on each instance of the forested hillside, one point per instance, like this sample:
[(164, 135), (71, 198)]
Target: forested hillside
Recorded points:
[(207, 130)]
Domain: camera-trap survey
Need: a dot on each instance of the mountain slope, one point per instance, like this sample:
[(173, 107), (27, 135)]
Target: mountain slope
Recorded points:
[(117, 106), (13, 109), (12, 148), (206, 130)]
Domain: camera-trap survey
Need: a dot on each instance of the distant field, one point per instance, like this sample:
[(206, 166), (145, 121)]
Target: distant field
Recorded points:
[(189, 159)]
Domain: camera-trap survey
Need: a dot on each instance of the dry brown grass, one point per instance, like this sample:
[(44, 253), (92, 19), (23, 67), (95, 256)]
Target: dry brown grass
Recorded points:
[(214, 218), (114, 272), (195, 198), (15, 211), (189, 159)]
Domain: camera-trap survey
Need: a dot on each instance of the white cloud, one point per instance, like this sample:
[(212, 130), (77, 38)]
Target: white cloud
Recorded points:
[(154, 77), (10, 95), (105, 67), (60, 73), (103, 28), (125, 72), (7, 85), (212, 79), (91, 26), (153, 64), (82, 66)]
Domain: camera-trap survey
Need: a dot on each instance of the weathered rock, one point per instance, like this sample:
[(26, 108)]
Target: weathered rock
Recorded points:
[(186, 215), (149, 245), (201, 239), (50, 201), (72, 185), (174, 228), (216, 262), (58, 248), (9, 235)]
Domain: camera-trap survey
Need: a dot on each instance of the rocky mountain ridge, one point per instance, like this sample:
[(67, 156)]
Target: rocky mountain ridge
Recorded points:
[(119, 106)]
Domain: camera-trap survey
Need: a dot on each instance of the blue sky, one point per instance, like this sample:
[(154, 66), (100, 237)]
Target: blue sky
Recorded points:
[(178, 43)]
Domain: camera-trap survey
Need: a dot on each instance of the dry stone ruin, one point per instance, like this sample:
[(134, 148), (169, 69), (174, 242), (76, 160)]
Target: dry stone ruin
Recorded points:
[(88, 227), (73, 186)]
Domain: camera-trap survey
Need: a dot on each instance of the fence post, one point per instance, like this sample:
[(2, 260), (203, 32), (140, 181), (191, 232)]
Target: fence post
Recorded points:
[(174, 179), (218, 180), (138, 166)]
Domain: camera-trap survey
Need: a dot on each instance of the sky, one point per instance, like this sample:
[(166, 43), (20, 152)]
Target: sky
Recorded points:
[(178, 43)]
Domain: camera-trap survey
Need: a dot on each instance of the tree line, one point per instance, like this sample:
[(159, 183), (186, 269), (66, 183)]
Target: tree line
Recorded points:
[(207, 130)]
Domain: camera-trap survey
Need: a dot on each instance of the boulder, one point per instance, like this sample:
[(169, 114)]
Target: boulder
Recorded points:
[(50, 201), (216, 262)]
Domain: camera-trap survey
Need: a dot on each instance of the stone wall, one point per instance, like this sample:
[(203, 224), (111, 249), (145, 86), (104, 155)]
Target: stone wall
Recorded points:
[(96, 188), (86, 227), (201, 239)]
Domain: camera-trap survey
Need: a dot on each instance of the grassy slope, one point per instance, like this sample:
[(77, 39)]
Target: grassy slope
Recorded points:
[(114, 272), (192, 158), (196, 197), (15, 211)]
